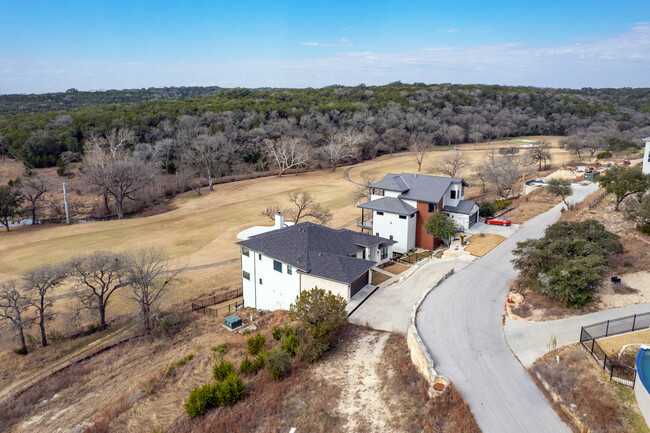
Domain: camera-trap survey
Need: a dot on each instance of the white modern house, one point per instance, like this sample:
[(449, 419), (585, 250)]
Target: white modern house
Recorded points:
[(646, 156), (277, 265), (401, 204)]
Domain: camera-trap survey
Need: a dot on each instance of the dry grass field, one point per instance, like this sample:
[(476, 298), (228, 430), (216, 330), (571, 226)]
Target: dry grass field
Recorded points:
[(613, 345), (201, 230), (480, 246)]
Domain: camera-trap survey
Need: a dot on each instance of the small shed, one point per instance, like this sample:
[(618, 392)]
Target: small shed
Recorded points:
[(591, 175), (232, 322)]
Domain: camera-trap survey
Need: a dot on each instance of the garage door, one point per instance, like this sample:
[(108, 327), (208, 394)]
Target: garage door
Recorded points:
[(358, 284), (473, 218)]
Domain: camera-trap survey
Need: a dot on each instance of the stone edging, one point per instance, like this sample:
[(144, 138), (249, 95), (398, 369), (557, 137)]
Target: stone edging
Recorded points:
[(419, 354)]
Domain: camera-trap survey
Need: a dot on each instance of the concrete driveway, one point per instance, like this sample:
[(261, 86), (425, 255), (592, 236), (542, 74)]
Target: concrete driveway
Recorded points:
[(461, 324), (389, 308), (529, 340), (481, 227)]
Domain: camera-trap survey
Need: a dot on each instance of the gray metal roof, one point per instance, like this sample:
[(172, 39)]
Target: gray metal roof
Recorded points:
[(317, 249), (646, 139), (389, 204), (418, 187), (464, 207)]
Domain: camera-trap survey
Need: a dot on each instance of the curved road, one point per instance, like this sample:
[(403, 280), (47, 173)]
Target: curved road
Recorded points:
[(461, 323)]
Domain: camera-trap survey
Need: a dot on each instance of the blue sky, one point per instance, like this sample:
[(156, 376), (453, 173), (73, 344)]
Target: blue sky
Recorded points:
[(92, 45)]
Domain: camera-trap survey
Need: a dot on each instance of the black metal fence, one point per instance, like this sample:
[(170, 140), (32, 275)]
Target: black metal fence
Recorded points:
[(216, 299), (223, 311), (589, 334)]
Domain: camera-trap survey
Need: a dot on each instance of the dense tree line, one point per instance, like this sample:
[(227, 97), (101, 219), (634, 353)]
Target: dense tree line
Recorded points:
[(374, 119)]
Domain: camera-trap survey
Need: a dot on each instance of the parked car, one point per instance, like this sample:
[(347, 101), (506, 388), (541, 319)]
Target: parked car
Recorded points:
[(627, 162), (500, 221)]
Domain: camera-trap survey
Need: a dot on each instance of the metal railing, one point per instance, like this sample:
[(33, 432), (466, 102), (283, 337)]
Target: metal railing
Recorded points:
[(217, 299), (223, 311), (365, 223), (590, 334)]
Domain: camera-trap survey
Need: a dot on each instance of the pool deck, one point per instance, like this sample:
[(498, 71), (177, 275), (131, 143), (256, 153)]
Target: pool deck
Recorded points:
[(642, 395)]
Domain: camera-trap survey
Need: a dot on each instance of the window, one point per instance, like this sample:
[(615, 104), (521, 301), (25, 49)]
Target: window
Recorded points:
[(379, 213), (289, 270), (384, 253), (452, 194), (277, 266), (260, 281), (432, 207), (246, 275), (259, 256), (245, 251), (376, 234), (402, 217)]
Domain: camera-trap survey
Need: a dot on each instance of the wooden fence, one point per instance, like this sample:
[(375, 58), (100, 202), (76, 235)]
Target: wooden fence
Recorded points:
[(216, 299)]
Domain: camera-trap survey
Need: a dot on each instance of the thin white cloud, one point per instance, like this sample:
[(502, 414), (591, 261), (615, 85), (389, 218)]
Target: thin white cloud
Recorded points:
[(315, 44), (619, 61)]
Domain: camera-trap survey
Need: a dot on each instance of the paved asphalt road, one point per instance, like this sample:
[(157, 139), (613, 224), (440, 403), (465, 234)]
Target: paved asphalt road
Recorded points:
[(461, 324)]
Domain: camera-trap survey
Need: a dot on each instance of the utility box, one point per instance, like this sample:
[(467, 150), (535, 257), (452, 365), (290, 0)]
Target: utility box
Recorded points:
[(232, 322), (591, 175)]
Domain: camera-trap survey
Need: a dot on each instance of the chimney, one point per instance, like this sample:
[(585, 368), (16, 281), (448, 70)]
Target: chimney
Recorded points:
[(279, 220)]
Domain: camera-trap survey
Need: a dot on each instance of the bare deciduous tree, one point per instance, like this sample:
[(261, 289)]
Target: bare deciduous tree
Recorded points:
[(208, 154), (504, 172), (475, 136), (13, 310), (97, 277), (452, 164), (541, 154), (32, 187), (361, 194), (450, 134), (116, 173), (149, 276), (39, 284), (342, 146), (303, 207), (419, 149), (287, 154)]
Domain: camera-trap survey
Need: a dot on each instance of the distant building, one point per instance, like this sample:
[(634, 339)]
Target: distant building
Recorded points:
[(402, 203), (277, 265), (646, 156)]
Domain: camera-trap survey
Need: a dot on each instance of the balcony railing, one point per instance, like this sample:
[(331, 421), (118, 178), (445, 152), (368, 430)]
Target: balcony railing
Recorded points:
[(364, 223)]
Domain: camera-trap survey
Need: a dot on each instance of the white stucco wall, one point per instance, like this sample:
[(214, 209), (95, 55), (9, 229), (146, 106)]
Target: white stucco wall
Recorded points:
[(402, 230), (311, 281), (447, 200), (462, 220), (277, 291), (646, 158)]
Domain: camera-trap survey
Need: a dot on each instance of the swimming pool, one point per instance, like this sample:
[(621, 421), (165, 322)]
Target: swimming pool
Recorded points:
[(643, 367)]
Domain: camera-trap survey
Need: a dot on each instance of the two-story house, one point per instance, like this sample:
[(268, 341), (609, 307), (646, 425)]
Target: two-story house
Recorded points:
[(646, 156), (400, 204), (279, 264)]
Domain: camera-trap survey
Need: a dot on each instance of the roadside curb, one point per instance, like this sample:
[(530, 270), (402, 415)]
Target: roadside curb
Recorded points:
[(419, 353)]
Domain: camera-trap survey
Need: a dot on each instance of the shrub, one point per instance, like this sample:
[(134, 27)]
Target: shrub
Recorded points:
[(501, 204), (246, 332), (645, 229), (246, 366), (605, 154), (290, 343), (256, 344), (230, 391), (222, 370), (311, 348), (487, 209), (171, 367), (200, 400), (277, 333), (279, 363), (222, 349), (22, 350), (260, 361)]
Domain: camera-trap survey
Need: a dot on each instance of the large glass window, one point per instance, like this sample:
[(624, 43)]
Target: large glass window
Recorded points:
[(277, 266), (245, 251), (246, 275), (289, 270), (384, 253)]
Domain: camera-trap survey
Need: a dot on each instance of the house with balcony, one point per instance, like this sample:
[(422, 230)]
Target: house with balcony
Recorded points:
[(400, 204), (279, 264)]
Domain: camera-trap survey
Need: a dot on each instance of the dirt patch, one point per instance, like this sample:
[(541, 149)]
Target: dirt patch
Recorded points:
[(613, 345), (480, 245), (587, 394), (531, 205), (396, 268)]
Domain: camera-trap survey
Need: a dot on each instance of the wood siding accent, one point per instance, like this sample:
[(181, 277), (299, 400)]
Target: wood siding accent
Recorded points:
[(423, 239)]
